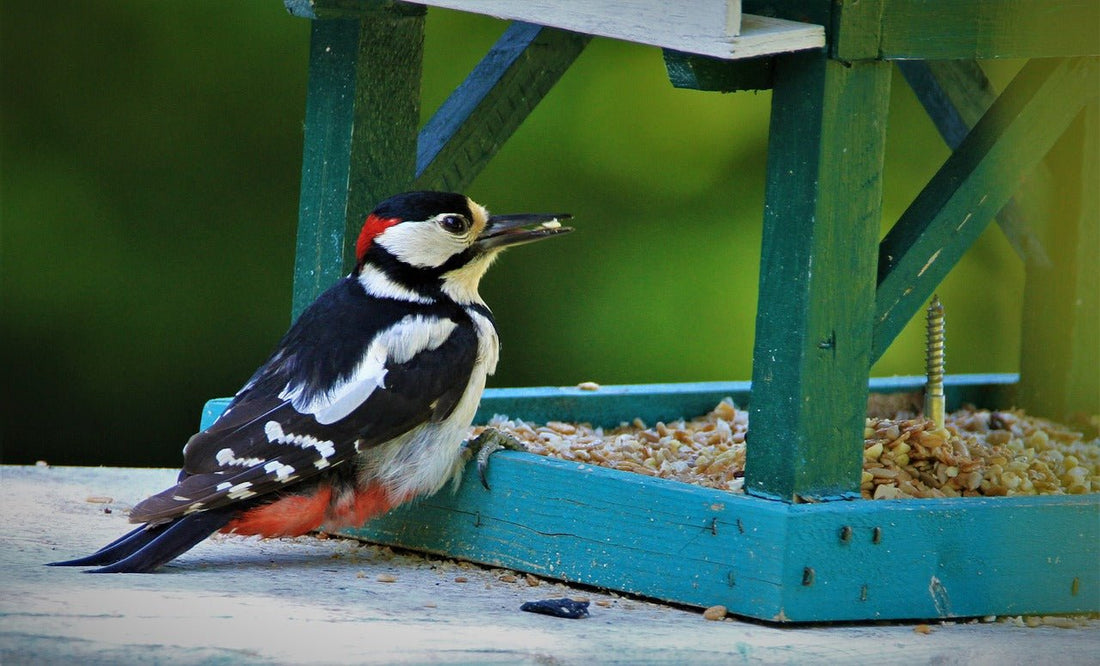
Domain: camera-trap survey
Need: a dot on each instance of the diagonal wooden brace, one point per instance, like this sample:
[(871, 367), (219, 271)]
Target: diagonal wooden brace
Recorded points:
[(956, 94), (498, 95), (974, 183)]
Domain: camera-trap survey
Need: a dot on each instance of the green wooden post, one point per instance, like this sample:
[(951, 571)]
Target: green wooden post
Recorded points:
[(362, 114), (1060, 355), (817, 281)]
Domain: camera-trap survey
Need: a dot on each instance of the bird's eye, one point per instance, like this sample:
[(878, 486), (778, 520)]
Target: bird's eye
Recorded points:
[(456, 224)]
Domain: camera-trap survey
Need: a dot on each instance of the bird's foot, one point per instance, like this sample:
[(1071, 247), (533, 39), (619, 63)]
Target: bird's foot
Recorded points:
[(486, 444)]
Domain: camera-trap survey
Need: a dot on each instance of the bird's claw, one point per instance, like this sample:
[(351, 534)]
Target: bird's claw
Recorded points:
[(486, 444)]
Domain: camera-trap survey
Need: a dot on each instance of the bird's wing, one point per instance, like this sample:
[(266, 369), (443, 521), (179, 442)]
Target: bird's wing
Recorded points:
[(282, 429)]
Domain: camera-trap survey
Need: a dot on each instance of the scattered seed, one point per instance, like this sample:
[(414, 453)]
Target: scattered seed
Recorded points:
[(461, 579), (386, 578), (976, 453), (715, 613), (922, 629)]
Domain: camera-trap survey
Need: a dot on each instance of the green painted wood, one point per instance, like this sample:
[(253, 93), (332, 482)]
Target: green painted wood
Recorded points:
[(812, 350), (579, 523), (974, 183), (935, 30), (362, 111), (612, 405), (760, 558), (905, 559), (977, 29), (1060, 357), (695, 72), (498, 95), (943, 558), (857, 28), (956, 94)]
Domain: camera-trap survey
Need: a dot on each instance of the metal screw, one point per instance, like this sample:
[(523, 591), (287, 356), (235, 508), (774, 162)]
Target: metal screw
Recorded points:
[(807, 576), (934, 401)]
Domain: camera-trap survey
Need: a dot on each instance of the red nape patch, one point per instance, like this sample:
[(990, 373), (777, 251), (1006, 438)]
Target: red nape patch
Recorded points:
[(371, 228), (286, 517)]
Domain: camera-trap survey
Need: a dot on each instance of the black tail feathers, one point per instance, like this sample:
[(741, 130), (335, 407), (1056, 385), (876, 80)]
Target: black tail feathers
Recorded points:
[(146, 548)]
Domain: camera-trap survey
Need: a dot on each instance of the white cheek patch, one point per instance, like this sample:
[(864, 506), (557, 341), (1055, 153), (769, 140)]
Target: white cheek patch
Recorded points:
[(421, 244), (397, 344)]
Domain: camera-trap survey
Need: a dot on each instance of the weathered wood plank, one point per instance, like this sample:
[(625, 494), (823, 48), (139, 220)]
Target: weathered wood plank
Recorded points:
[(311, 600), (479, 116), (812, 351), (362, 111), (706, 27), (943, 558), (974, 183), (956, 94), (1060, 345)]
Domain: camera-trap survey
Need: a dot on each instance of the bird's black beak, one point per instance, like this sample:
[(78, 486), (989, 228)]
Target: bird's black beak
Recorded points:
[(505, 230)]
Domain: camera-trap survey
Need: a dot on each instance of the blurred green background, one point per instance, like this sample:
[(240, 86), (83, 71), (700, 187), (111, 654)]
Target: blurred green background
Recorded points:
[(150, 173)]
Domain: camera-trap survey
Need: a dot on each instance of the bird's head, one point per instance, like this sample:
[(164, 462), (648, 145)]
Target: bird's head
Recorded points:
[(424, 241)]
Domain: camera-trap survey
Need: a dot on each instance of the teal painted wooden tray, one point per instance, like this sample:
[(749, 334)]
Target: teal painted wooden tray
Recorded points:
[(851, 560)]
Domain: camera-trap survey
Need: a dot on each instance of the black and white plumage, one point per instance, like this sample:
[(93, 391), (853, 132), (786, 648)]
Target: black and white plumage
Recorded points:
[(365, 402)]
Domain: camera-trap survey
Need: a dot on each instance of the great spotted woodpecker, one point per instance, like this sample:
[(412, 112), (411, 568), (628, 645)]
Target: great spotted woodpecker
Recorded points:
[(365, 402)]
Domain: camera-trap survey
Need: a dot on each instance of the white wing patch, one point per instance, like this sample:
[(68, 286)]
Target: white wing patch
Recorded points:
[(325, 448), (226, 457), (398, 344), (282, 471)]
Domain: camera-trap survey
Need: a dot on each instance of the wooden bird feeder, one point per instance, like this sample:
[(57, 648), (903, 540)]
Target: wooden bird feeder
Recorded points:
[(796, 547)]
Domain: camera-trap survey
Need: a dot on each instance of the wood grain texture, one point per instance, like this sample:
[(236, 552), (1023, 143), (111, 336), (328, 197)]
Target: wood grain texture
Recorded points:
[(821, 217), (857, 29), (483, 112), (977, 29), (706, 27), (761, 558), (362, 111), (974, 183), (308, 600)]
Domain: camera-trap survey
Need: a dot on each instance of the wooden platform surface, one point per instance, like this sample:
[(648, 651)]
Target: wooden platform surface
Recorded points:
[(236, 600)]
